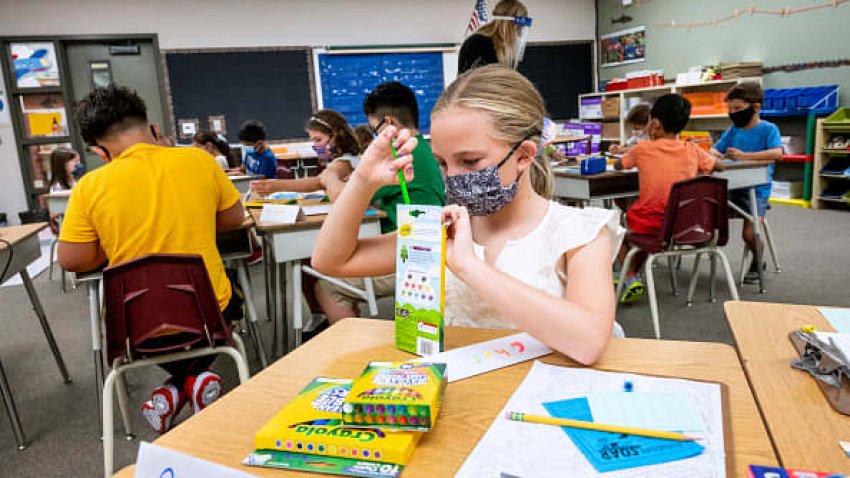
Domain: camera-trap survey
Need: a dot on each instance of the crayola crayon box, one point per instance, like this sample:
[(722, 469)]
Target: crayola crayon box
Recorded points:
[(420, 279), (311, 423), (396, 395), (332, 465)]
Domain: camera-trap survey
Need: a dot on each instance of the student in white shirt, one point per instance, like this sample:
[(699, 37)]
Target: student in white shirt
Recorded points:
[(215, 145), (516, 259)]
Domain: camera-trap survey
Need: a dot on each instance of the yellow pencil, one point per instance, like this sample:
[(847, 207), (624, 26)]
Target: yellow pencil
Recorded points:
[(602, 427)]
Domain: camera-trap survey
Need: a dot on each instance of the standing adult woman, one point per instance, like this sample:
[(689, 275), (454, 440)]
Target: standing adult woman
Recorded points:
[(502, 40)]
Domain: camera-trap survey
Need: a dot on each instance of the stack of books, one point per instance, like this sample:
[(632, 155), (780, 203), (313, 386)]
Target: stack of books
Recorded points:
[(740, 70)]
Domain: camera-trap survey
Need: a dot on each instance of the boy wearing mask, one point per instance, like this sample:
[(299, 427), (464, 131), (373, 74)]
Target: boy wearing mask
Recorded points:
[(749, 139)]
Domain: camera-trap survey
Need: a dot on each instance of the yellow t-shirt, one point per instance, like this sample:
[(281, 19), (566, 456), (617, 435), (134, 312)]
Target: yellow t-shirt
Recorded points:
[(153, 200)]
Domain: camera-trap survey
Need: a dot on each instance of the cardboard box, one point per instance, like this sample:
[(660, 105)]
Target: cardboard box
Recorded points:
[(611, 107), (611, 130), (590, 108), (594, 130)]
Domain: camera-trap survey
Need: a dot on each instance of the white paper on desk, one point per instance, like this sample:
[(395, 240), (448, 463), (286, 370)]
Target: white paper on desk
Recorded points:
[(839, 340), (668, 411), (281, 214), (486, 356), (157, 462), (544, 451), (317, 209)]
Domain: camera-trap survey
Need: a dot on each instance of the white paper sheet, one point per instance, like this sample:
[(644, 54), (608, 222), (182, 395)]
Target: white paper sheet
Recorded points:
[(157, 462), (483, 357), (317, 210), (280, 214), (669, 411), (542, 451)]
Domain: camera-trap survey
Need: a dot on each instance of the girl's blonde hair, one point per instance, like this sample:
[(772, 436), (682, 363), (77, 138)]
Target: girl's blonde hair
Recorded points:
[(503, 32), (515, 108)]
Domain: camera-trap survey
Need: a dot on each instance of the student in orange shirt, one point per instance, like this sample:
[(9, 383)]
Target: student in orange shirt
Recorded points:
[(661, 162)]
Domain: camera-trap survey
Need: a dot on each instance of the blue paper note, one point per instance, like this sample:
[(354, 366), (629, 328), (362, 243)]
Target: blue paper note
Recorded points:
[(839, 318), (613, 451), (666, 411)]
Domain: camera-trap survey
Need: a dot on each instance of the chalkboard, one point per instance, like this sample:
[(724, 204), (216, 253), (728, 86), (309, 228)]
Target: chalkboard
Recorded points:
[(347, 78), (561, 71), (272, 86)]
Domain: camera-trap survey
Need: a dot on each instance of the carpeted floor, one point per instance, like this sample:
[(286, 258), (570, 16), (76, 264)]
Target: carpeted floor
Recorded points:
[(60, 420)]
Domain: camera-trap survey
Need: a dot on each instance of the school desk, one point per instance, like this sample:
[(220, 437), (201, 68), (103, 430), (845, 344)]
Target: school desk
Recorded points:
[(224, 432), (243, 181), (287, 245), (570, 184), (804, 428), (24, 248), (57, 202), (234, 246)]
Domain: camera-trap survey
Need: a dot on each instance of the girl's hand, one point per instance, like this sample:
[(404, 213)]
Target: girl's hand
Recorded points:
[(459, 251), (378, 168), (263, 187)]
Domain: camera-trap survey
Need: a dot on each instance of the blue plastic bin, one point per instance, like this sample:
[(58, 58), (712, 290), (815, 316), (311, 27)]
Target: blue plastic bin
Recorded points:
[(800, 101)]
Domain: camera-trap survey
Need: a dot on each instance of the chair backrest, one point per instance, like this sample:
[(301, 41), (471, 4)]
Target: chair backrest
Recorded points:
[(697, 212), (160, 303)]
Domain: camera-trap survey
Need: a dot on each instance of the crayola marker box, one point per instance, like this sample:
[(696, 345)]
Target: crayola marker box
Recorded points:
[(420, 279), (311, 424), (396, 395)]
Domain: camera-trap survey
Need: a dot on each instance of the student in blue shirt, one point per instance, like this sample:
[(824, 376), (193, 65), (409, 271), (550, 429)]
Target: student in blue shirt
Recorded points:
[(749, 139), (259, 159)]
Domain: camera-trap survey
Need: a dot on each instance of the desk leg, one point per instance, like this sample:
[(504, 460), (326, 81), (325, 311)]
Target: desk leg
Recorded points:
[(245, 282), (280, 335), (271, 278), (757, 256), (6, 394), (45, 326), (289, 307), (297, 312), (97, 340)]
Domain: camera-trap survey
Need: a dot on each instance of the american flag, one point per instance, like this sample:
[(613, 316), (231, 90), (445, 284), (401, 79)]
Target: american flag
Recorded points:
[(478, 17)]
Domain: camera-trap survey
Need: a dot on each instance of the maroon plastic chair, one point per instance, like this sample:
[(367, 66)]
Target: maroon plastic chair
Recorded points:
[(159, 308), (696, 222)]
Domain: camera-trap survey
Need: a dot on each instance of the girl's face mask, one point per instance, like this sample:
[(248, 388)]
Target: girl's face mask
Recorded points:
[(481, 192)]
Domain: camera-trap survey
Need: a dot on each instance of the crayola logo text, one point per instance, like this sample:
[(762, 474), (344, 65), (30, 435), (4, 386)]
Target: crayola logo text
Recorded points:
[(359, 435)]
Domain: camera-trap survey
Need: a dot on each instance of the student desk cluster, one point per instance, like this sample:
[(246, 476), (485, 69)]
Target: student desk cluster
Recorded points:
[(570, 184), (224, 433)]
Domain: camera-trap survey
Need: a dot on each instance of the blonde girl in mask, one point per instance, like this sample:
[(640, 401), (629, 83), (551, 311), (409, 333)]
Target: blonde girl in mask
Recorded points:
[(516, 258), (501, 40), (335, 145)]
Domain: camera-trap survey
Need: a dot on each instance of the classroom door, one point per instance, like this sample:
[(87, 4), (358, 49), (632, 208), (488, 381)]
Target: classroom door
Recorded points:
[(98, 63)]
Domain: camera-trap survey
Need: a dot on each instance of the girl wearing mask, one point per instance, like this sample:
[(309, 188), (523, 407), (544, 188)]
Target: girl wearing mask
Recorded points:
[(335, 145), (501, 40), (65, 168), (516, 259), (215, 145)]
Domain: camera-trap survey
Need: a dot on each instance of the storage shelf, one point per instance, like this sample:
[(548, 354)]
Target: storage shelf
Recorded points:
[(833, 176), (671, 86), (715, 116), (797, 158), (46, 140), (836, 151), (38, 90), (610, 138), (841, 201)]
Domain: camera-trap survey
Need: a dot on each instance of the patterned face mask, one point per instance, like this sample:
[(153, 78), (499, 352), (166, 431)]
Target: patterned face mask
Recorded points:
[(323, 152), (481, 192)]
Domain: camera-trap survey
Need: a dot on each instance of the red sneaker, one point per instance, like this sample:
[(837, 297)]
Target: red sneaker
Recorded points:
[(255, 258), (165, 403), (202, 390)]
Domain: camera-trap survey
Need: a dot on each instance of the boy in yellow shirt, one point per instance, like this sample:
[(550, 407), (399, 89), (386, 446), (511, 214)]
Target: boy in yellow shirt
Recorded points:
[(150, 199)]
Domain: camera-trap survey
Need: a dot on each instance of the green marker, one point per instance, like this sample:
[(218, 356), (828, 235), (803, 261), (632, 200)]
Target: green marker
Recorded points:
[(401, 181)]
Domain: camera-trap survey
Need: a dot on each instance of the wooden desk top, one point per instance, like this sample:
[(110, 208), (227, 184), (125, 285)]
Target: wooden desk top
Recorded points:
[(224, 432), (308, 222), (803, 426), (16, 234)]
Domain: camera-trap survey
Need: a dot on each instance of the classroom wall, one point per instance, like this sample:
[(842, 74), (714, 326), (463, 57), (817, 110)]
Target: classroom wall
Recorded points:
[(811, 36), (228, 23), (12, 195)]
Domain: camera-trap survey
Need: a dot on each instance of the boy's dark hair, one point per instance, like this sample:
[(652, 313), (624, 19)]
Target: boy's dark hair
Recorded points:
[(252, 131), (749, 92), (393, 99), (638, 115), (109, 110), (672, 111)]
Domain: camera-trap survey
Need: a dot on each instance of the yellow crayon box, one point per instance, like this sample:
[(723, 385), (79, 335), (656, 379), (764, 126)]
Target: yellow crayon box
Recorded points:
[(311, 423), (396, 395)]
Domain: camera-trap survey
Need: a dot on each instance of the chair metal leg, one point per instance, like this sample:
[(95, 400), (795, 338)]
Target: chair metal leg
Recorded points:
[(297, 309), (123, 407), (53, 243), (107, 431), (674, 282), (9, 403), (369, 288), (694, 278), (627, 261), (240, 346), (653, 300), (251, 309), (730, 280), (45, 326), (712, 261), (771, 247), (745, 266)]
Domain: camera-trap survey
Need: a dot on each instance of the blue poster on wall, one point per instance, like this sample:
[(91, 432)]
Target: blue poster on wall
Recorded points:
[(347, 78)]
